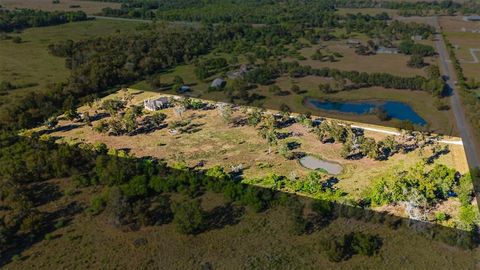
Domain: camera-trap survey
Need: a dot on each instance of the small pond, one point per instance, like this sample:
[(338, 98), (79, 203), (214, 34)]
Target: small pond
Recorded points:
[(394, 109), (314, 163)]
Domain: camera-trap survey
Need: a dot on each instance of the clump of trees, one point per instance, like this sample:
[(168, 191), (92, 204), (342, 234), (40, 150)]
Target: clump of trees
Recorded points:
[(410, 47), (127, 120), (207, 67), (420, 189)]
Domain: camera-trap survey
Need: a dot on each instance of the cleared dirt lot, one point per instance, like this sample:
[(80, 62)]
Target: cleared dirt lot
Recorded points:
[(90, 7)]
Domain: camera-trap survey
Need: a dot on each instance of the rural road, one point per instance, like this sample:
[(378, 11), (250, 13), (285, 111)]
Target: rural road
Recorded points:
[(463, 126), (120, 19)]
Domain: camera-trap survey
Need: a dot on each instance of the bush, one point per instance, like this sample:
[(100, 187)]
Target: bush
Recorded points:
[(440, 216), (339, 249), (17, 39), (97, 204)]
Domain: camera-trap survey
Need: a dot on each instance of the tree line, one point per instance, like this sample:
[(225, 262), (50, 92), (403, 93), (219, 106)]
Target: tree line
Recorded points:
[(19, 19)]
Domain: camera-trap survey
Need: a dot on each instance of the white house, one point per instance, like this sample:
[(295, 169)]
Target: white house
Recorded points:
[(156, 104)]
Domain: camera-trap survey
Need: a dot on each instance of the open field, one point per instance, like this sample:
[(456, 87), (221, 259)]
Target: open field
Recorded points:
[(30, 61), (211, 141), (459, 33), (89, 7), (251, 241), (389, 63)]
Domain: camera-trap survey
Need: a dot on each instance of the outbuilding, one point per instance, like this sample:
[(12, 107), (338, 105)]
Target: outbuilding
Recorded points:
[(156, 104), (218, 83)]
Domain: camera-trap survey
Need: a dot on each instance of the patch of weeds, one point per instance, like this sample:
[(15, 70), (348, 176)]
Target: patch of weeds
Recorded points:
[(264, 165)]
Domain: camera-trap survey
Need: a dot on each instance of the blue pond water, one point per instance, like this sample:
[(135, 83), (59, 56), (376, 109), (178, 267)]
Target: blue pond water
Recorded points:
[(397, 110)]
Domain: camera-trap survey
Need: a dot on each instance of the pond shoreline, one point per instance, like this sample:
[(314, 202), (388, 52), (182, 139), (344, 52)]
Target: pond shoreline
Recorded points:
[(314, 163), (395, 109)]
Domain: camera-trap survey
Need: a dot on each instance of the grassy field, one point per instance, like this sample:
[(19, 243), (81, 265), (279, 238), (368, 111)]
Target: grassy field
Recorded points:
[(389, 63), (212, 141), (459, 33), (30, 61), (252, 241), (89, 7)]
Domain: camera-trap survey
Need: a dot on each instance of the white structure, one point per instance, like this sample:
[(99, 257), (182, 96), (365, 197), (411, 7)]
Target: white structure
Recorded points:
[(387, 50), (471, 18), (218, 83), (156, 104)]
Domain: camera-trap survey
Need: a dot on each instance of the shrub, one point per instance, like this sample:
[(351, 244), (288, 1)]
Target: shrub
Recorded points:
[(97, 204), (188, 216)]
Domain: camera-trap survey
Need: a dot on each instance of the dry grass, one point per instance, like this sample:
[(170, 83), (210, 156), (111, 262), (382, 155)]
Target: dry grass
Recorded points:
[(89, 7), (218, 143), (390, 63)]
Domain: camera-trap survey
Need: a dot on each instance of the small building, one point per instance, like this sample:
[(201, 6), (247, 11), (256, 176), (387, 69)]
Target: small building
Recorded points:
[(472, 18), (156, 104), (218, 83), (184, 89), (386, 50)]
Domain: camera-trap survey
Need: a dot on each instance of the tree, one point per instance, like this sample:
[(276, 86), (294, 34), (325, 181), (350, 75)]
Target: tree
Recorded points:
[(112, 106), (188, 216), (369, 148), (137, 186), (71, 114), (177, 80), (254, 117), (433, 72), (416, 61), (268, 131)]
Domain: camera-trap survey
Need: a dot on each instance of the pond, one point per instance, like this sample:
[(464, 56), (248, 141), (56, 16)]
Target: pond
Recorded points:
[(394, 109), (314, 163)]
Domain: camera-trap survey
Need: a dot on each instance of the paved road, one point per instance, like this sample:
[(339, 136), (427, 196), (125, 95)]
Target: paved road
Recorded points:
[(463, 126)]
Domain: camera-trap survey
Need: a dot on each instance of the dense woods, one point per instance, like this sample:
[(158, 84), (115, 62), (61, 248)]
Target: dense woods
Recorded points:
[(24, 18)]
